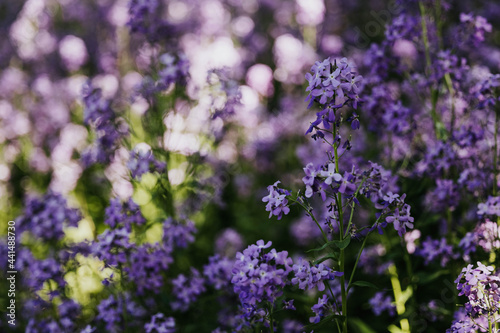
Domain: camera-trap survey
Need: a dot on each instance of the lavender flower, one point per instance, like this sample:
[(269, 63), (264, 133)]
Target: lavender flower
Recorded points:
[(332, 86), (277, 204), (147, 265), (381, 302), (474, 28), (218, 272), (260, 276), (160, 324), (178, 233), (311, 277), (112, 310), (124, 214), (490, 207), (481, 289), (433, 249), (175, 70), (113, 246), (45, 218), (99, 114), (187, 290), (487, 236), (142, 161), (321, 309)]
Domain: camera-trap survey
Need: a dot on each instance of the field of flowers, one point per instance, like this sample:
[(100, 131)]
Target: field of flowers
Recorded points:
[(249, 166)]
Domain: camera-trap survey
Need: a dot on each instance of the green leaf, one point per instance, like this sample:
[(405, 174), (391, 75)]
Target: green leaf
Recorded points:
[(359, 326), (341, 244), (364, 284), (424, 278), (319, 248), (329, 256)]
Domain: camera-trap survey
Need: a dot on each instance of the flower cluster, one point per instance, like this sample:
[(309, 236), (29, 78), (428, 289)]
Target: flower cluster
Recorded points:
[(46, 217), (481, 287), (99, 114), (259, 276), (142, 161), (111, 312), (123, 214), (381, 302), (187, 289), (332, 86), (175, 70), (147, 265), (218, 272), (113, 246), (277, 204), (160, 324), (398, 213), (142, 18), (490, 207), (307, 276), (487, 236), (433, 249), (178, 233), (322, 309), (475, 28)]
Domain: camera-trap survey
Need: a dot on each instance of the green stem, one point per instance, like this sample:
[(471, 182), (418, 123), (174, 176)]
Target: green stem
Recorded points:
[(424, 35), (271, 321), (124, 307), (495, 147), (449, 85), (438, 126), (341, 236), (352, 210), (335, 302), (439, 23), (357, 260), (309, 211)]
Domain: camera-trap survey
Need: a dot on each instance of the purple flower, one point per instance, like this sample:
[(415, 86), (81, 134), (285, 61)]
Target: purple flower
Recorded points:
[(277, 204), (260, 276), (218, 272), (45, 218), (124, 214), (112, 310), (311, 277), (100, 116), (474, 28), (490, 207), (347, 185), (380, 303), (321, 309), (178, 233), (487, 236), (147, 263), (160, 324), (142, 161), (228, 243), (481, 289), (331, 175), (401, 219), (187, 289), (436, 249), (113, 246)]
